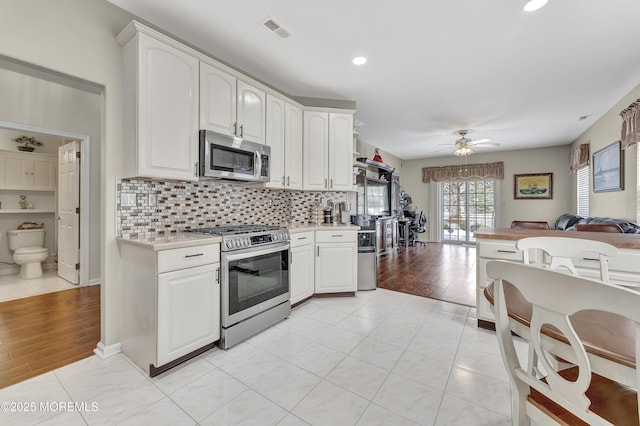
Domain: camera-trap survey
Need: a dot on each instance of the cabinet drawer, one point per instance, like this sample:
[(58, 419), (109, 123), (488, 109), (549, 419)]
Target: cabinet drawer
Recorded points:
[(174, 259), (301, 238), (504, 251), (336, 236)]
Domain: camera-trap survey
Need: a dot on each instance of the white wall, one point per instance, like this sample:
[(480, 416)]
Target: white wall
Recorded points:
[(606, 130), (77, 38), (542, 160)]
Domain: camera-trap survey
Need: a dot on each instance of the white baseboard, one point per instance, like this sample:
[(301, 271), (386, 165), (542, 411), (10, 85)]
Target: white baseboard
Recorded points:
[(103, 351), (95, 281)]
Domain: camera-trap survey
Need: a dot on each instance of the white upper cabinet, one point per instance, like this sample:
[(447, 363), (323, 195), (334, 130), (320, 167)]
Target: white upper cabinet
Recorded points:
[(284, 136), (27, 171), (231, 106), (276, 140), (341, 152), (217, 100), (161, 110), (316, 150), (293, 147), (251, 113), (328, 151)]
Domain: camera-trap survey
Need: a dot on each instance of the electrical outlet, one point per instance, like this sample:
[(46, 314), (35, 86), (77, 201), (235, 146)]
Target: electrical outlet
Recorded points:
[(153, 199)]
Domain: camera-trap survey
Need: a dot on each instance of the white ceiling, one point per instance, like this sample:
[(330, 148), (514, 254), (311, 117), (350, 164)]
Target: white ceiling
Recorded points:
[(434, 66)]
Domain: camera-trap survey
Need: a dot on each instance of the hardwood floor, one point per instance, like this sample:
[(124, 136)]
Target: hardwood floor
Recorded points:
[(41, 333), (439, 271)]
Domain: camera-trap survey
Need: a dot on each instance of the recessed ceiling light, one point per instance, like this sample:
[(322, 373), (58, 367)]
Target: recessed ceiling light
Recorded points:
[(534, 5), (359, 60)]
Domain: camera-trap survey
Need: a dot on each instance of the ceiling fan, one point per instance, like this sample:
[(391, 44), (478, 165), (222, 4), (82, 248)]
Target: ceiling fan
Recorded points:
[(463, 145)]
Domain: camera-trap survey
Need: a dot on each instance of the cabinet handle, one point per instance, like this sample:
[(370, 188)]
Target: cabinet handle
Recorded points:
[(337, 236), (288, 181), (195, 168), (302, 238), (318, 251), (591, 259), (506, 251), (217, 275), (325, 183), (282, 180), (235, 128), (194, 255), (331, 182), (242, 130)]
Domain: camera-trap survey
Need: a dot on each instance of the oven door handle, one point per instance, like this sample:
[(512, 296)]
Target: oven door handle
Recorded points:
[(252, 252)]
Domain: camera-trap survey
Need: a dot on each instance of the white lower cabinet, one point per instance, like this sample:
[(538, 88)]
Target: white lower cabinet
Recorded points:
[(302, 266), (171, 303), (336, 261)]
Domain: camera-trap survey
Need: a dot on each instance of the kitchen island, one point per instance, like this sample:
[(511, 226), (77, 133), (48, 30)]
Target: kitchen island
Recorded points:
[(500, 244)]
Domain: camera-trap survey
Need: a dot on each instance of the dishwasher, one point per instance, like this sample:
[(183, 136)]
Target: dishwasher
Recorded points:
[(367, 266)]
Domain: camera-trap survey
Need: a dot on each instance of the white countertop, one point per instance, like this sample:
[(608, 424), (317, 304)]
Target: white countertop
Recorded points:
[(171, 241), (293, 229)]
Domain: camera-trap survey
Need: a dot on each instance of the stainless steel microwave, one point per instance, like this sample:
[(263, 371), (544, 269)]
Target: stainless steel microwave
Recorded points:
[(226, 157)]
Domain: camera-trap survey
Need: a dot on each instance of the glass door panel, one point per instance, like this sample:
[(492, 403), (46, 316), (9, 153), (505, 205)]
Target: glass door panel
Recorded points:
[(467, 206)]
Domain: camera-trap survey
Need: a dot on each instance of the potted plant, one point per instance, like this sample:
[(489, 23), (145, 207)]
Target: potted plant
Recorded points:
[(27, 143)]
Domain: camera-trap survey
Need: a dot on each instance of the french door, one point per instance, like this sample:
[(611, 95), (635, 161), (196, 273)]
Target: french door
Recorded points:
[(467, 206)]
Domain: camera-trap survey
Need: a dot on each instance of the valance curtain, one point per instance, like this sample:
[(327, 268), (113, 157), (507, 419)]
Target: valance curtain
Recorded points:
[(630, 133), (579, 157), (463, 172)]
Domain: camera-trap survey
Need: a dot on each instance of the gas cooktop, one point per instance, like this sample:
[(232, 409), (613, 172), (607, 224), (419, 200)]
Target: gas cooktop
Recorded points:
[(238, 237)]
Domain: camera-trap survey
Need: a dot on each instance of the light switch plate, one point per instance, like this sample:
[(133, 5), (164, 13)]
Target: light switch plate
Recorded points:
[(153, 199)]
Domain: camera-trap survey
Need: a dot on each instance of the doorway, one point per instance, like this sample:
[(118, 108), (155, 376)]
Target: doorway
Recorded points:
[(465, 207), (50, 281)]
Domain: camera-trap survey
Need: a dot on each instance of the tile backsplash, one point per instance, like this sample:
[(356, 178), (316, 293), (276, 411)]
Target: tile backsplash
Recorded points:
[(147, 208)]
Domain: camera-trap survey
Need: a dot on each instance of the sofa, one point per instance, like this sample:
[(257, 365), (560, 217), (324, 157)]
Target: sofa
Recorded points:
[(567, 222)]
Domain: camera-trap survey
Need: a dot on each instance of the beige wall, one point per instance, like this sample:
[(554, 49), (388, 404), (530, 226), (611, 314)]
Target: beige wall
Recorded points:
[(366, 150), (76, 38), (542, 160), (606, 130)]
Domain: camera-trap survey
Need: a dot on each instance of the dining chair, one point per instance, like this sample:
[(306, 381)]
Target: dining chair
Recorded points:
[(529, 224), (598, 388), (599, 227), (559, 253)]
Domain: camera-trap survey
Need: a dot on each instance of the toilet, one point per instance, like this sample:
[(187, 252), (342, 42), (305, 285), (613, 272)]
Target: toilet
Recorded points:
[(28, 250)]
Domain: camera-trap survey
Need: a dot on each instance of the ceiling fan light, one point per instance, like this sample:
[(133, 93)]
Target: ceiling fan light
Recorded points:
[(534, 5)]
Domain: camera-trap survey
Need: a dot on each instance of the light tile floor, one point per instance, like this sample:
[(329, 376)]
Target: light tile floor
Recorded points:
[(12, 287), (380, 358)]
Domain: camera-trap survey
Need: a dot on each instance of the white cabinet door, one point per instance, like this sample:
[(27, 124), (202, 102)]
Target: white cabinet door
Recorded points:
[(302, 272), (293, 147), (44, 174), (276, 140), (251, 113), (167, 111), (315, 151), (336, 267), (341, 152), (217, 100), (32, 172), (187, 314)]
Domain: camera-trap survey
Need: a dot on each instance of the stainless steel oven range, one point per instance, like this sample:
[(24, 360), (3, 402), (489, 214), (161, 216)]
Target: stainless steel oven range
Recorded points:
[(255, 262)]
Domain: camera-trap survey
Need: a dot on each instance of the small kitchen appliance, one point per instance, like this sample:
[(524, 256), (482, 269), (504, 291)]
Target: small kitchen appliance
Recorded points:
[(255, 279)]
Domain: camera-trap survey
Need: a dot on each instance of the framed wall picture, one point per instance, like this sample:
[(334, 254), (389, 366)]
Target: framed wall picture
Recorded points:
[(608, 168), (534, 186)]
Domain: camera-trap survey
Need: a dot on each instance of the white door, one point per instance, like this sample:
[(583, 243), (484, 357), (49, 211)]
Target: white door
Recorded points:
[(68, 216)]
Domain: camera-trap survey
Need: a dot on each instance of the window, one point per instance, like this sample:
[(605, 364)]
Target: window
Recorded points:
[(583, 192), (467, 206)]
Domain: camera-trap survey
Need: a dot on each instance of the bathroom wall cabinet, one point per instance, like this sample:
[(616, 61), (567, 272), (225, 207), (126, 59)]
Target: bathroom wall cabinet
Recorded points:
[(27, 171)]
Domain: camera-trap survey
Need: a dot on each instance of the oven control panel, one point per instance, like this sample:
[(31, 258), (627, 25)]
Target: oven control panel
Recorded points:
[(242, 241)]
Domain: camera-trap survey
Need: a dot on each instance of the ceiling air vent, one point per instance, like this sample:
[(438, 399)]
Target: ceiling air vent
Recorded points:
[(275, 28)]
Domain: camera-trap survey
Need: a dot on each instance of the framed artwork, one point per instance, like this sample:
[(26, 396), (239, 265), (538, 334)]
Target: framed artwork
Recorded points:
[(534, 186), (608, 168)]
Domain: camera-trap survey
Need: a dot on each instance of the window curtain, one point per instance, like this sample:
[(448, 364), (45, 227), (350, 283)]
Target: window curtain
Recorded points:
[(630, 133), (579, 158), (463, 172)]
